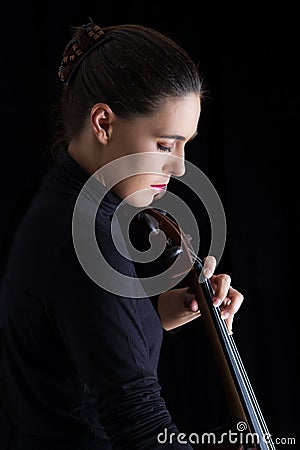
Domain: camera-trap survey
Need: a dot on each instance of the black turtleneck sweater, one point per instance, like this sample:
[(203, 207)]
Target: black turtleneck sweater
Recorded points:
[(79, 362)]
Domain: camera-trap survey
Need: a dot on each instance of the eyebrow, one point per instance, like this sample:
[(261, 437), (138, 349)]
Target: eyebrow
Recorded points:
[(177, 136)]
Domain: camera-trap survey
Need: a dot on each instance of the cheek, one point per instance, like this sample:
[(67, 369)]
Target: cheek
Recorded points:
[(130, 141), (136, 190), (142, 181), (135, 183)]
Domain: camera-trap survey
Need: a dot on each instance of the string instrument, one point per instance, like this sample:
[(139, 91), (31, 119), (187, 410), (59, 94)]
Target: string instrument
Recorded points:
[(243, 406)]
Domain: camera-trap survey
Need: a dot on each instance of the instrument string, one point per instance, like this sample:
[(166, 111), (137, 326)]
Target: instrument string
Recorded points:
[(236, 362)]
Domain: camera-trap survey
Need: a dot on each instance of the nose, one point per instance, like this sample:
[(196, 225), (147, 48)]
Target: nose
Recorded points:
[(174, 165)]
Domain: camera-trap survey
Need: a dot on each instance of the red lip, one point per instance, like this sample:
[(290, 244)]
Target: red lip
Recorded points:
[(158, 185)]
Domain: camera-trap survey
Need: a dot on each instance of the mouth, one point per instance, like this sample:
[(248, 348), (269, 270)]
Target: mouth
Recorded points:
[(159, 187)]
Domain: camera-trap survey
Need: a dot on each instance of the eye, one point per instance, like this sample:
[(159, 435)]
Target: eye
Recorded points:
[(164, 148)]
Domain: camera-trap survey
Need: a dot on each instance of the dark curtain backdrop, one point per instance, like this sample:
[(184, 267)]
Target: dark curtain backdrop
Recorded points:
[(247, 145)]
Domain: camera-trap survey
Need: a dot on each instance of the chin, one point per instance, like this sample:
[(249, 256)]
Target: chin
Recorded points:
[(140, 200)]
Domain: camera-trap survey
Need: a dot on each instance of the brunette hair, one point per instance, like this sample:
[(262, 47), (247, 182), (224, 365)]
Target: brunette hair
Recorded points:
[(130, 67)]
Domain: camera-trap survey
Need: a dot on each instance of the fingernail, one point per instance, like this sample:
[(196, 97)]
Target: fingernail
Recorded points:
[(207, 273)]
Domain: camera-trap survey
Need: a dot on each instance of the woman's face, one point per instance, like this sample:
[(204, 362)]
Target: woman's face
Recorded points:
[(151, 141)]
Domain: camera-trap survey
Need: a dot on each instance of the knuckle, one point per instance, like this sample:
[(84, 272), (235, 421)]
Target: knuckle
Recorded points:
[(239, 296), (226, 278)]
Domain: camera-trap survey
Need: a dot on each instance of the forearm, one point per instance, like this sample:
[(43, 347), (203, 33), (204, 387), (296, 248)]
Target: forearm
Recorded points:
[(138, 418), (172, 310)]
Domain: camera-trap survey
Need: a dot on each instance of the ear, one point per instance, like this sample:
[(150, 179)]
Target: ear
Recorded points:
[(102, 119)]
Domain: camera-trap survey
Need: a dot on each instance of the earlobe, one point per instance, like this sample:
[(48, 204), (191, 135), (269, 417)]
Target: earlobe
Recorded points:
[(102, 121)]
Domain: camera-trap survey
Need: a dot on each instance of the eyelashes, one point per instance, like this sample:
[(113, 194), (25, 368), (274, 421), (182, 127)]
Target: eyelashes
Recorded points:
[(164, 148)]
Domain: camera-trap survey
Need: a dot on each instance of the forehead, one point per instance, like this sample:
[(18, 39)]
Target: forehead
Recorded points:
[(173, 116), (177, 115)]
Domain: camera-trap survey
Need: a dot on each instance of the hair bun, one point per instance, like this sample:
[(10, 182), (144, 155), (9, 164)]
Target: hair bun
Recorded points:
[(84, 40)]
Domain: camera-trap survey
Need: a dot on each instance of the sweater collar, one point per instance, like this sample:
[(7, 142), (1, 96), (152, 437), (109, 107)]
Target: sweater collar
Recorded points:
[(78, 176)]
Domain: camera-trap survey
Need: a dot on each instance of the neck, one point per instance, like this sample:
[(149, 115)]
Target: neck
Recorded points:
[(86, 151)]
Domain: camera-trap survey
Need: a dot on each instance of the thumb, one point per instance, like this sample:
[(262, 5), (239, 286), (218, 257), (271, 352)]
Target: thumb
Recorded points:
[(189, 300)]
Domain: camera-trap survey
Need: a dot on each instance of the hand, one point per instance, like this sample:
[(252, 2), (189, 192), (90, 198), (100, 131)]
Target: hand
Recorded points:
[(177, 307), (225, 296)]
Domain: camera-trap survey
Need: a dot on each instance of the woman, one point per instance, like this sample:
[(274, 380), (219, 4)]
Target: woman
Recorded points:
[(80, 360)]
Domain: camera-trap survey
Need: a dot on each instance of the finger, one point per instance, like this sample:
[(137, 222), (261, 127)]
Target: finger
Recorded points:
[(232, 303), (190, 301), (230, 307), (221, 286), (188, 297), (209, 266), (194, 306), (229, 322)]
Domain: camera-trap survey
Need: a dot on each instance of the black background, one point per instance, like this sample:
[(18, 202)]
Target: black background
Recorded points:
[(247, 145)]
